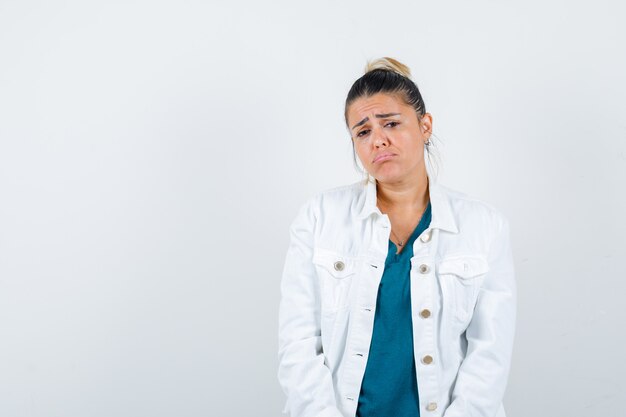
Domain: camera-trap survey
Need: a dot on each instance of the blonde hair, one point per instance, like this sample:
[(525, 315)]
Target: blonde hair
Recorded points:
[(389, 64)]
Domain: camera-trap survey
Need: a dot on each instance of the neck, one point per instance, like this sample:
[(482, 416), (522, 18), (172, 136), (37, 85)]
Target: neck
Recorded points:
[(409, 194)]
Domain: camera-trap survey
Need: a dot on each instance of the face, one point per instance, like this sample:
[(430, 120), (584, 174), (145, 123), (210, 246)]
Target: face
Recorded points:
[(388, 137)]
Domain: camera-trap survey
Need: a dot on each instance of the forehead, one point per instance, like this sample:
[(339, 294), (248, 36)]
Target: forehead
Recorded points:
[(378, 103)]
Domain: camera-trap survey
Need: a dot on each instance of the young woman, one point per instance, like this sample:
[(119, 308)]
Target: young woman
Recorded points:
[(398, 295)]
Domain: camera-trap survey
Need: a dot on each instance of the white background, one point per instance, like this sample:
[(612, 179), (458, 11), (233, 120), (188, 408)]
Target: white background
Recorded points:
[(153, 154)]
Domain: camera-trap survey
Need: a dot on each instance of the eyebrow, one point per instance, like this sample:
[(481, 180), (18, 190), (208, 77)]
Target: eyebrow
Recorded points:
[(379, 116)]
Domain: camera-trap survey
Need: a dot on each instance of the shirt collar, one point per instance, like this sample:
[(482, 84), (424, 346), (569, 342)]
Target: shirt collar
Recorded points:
[(442, 216)]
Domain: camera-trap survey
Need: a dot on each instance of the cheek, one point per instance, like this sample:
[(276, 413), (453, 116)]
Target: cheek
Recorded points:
[(363, 155), (414, 145)]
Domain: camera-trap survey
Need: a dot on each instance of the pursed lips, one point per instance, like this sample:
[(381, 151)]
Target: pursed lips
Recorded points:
[(381, 156)]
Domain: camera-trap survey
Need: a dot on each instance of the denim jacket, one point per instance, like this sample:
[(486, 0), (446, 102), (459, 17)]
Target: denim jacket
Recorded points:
[(463, 302)]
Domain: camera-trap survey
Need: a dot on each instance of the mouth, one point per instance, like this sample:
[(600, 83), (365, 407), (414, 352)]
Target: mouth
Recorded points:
[(383, 157)]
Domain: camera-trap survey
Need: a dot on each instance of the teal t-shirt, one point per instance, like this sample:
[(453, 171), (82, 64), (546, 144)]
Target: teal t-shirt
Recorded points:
[(389, 386)]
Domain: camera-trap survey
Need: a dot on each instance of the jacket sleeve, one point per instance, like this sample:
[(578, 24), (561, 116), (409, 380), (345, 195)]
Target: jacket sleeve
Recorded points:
[(302, 373), (483, 374)]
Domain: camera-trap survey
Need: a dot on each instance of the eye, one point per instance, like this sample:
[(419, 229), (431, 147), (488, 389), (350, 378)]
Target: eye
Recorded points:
[(394, 124), (362, 131)]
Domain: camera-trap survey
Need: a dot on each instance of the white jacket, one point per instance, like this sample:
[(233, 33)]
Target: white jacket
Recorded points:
[(461, 272)]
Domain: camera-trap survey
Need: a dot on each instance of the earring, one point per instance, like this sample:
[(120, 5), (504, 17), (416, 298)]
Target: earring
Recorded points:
[(427, 143)]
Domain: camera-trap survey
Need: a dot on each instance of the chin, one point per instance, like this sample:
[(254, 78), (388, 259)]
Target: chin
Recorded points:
[(388, 177)]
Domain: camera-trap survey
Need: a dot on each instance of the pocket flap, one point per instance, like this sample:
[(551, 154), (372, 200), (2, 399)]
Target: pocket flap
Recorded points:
[(463, 266), (337, 264)]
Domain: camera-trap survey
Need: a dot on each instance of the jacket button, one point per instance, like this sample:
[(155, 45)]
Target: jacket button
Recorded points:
[(424, 268), (425, 237), (425, 313), (339, 266), (427, 359), (431, 406)]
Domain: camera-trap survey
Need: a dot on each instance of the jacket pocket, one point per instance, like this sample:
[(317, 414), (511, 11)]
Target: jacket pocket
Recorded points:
[(335, 271), (461, 277)]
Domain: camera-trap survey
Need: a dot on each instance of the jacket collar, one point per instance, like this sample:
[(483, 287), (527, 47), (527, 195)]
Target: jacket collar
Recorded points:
[(442, 216)]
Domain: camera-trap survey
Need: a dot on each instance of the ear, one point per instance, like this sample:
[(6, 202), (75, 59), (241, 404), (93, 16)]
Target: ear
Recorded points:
[(426, 124)]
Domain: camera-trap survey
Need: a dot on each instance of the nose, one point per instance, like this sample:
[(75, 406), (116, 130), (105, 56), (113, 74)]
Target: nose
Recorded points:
[(380, 139)]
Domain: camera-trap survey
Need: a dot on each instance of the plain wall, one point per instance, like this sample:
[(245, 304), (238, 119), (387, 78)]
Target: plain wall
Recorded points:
[(153, 154)]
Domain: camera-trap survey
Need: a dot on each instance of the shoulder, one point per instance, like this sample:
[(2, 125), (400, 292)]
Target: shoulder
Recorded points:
[(335, 204), (336, 197), (468, 207)]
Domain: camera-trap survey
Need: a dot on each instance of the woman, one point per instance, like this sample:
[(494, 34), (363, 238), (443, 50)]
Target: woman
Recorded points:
[(398, 295)]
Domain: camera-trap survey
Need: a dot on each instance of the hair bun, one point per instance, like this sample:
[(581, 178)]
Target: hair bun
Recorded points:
[(388, 64)]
